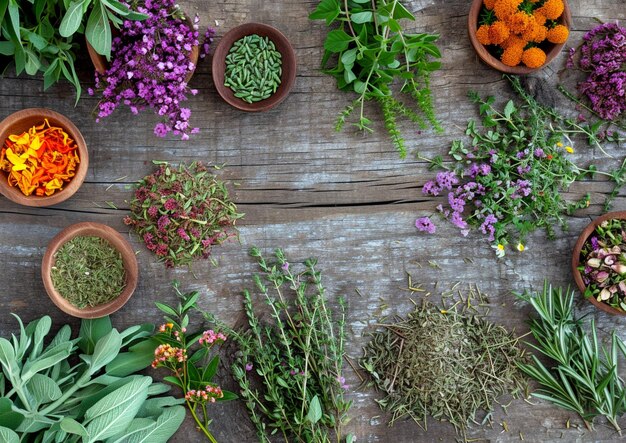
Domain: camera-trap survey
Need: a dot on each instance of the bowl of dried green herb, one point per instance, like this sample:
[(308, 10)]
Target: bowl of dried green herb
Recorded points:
[(89, 270), (254, 67)]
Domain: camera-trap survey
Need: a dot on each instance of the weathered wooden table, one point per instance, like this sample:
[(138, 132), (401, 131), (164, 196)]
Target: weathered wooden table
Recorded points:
[(344, 197)]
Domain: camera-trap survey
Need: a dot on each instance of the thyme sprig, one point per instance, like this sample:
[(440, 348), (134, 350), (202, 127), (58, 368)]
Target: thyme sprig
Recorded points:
[(372, 51), (583, 375), (290, 369)]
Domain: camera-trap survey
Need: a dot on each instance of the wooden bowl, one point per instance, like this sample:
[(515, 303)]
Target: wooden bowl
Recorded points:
[(582, 239), (94, 230), (101, 64), (22, 121), (283, 46), (551, 49)]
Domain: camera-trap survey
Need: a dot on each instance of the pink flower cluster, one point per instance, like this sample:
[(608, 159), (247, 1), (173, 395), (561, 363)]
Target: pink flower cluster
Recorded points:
[(166, 355), (211, 337), (209, 394)]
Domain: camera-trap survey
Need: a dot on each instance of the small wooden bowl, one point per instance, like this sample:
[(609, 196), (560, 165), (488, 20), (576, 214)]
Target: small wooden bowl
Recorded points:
[(582, 239), (22, 121), (552, 49), (287, 78), (94, 230), (101, 64)]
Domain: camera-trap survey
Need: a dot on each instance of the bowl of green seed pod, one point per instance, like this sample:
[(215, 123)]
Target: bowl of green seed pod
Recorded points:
[(254, 67), (89, 270)]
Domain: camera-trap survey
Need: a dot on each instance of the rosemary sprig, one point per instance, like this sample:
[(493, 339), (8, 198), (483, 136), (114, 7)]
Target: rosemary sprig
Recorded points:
[(583, 375)]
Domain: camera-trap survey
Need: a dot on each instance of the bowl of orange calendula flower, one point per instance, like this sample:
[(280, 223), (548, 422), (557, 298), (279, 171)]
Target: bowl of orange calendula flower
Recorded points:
[(518, 36), (43, 157)]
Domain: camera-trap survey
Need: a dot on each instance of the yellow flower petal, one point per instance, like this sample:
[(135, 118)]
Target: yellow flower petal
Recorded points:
[(569, 149), (520, 247)]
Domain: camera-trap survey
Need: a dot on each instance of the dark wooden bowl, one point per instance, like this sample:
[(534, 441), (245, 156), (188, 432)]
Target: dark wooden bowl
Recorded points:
[(551, 49), (94, 230), (587, 232), (22, 121), (101, 64), (283, 46)]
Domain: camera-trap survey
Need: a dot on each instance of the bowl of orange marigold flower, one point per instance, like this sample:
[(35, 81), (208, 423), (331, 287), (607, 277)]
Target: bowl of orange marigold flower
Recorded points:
[(518, 36), (43, 157)]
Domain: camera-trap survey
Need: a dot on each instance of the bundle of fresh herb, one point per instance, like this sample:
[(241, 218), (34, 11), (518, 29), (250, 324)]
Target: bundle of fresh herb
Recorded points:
[(509, 182), (88, 271), (44, 398), (39, 33), (372, 50), (428, 363), (291, 370), (583, 375), (181, 213), (192, 370)]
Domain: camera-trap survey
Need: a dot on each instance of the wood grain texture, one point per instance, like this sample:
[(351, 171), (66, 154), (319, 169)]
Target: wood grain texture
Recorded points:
[(345, 198)]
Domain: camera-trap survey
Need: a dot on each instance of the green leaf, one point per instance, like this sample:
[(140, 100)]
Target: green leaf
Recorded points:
[(509, 109), (42, 328), (113, 413), (98, 31), (51, 76), (154, 406), (211, 369), (166, 309), (8, 436), (71, 426), (3, 9), (166, 425), (326, 10), (401, 12), (7, 358), (135, 426), (349, 57), (7, 48), (92, 330), (337, 41), (116, 7), (228, 396), (8, 417), (46, 360), (43, 389), (127, 363), (315, 411), (173, 380), (105, 351), (362, 17), (14, 15), (72, 18)]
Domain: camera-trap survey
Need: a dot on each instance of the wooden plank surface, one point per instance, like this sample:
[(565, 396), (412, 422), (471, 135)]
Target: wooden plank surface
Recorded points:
[(342, 197)]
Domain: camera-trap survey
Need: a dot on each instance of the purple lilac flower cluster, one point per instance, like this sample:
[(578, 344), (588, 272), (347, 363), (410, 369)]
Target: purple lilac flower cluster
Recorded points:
[(603, 56), (151, 65)]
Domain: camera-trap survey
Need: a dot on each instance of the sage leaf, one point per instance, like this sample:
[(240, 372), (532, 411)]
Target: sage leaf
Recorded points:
[(7, 358), (92, 330), (107, 348), (32, 62), (165, 426), (42, 328), (8, 417), (43, 389), (72, 19), (115, 411), (135, 426), (46, 360), (116, 7), (8, 436), (71, 426), (154, 406), (98, 31), (315, 411)]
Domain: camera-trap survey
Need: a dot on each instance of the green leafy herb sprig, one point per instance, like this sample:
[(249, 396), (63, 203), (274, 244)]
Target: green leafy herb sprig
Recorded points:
[(583, 374), (39, 35), (290, 370), (371, 51), (82, 389), (192, 369)]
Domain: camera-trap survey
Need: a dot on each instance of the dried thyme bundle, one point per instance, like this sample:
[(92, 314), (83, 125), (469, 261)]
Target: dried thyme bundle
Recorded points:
[(443, 363)]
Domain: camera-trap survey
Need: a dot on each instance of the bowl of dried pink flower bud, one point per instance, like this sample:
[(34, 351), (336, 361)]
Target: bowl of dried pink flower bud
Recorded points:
[(599, 262)]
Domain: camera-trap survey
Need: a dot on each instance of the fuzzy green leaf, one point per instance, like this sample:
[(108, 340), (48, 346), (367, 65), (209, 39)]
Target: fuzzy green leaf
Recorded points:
[(71, 426), (72, 18), (8, 436), (92, 330), (315, 411), (166, 425), (98, 31), (43, 389), (8, 417), (107, 348)]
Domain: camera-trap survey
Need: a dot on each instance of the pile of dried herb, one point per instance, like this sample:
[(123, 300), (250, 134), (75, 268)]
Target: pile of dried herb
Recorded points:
[(88, 271), (443, 363)]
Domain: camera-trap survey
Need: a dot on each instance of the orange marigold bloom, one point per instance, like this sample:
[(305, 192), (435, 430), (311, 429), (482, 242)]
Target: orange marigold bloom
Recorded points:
[(482, 35), (489, 4), (533, 57), (514, 40), (512, 56), (498, 32), (518, 22), (558, 34), (539, 18), (531, 31), (552, 9), (541, 32), (505, 8)]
